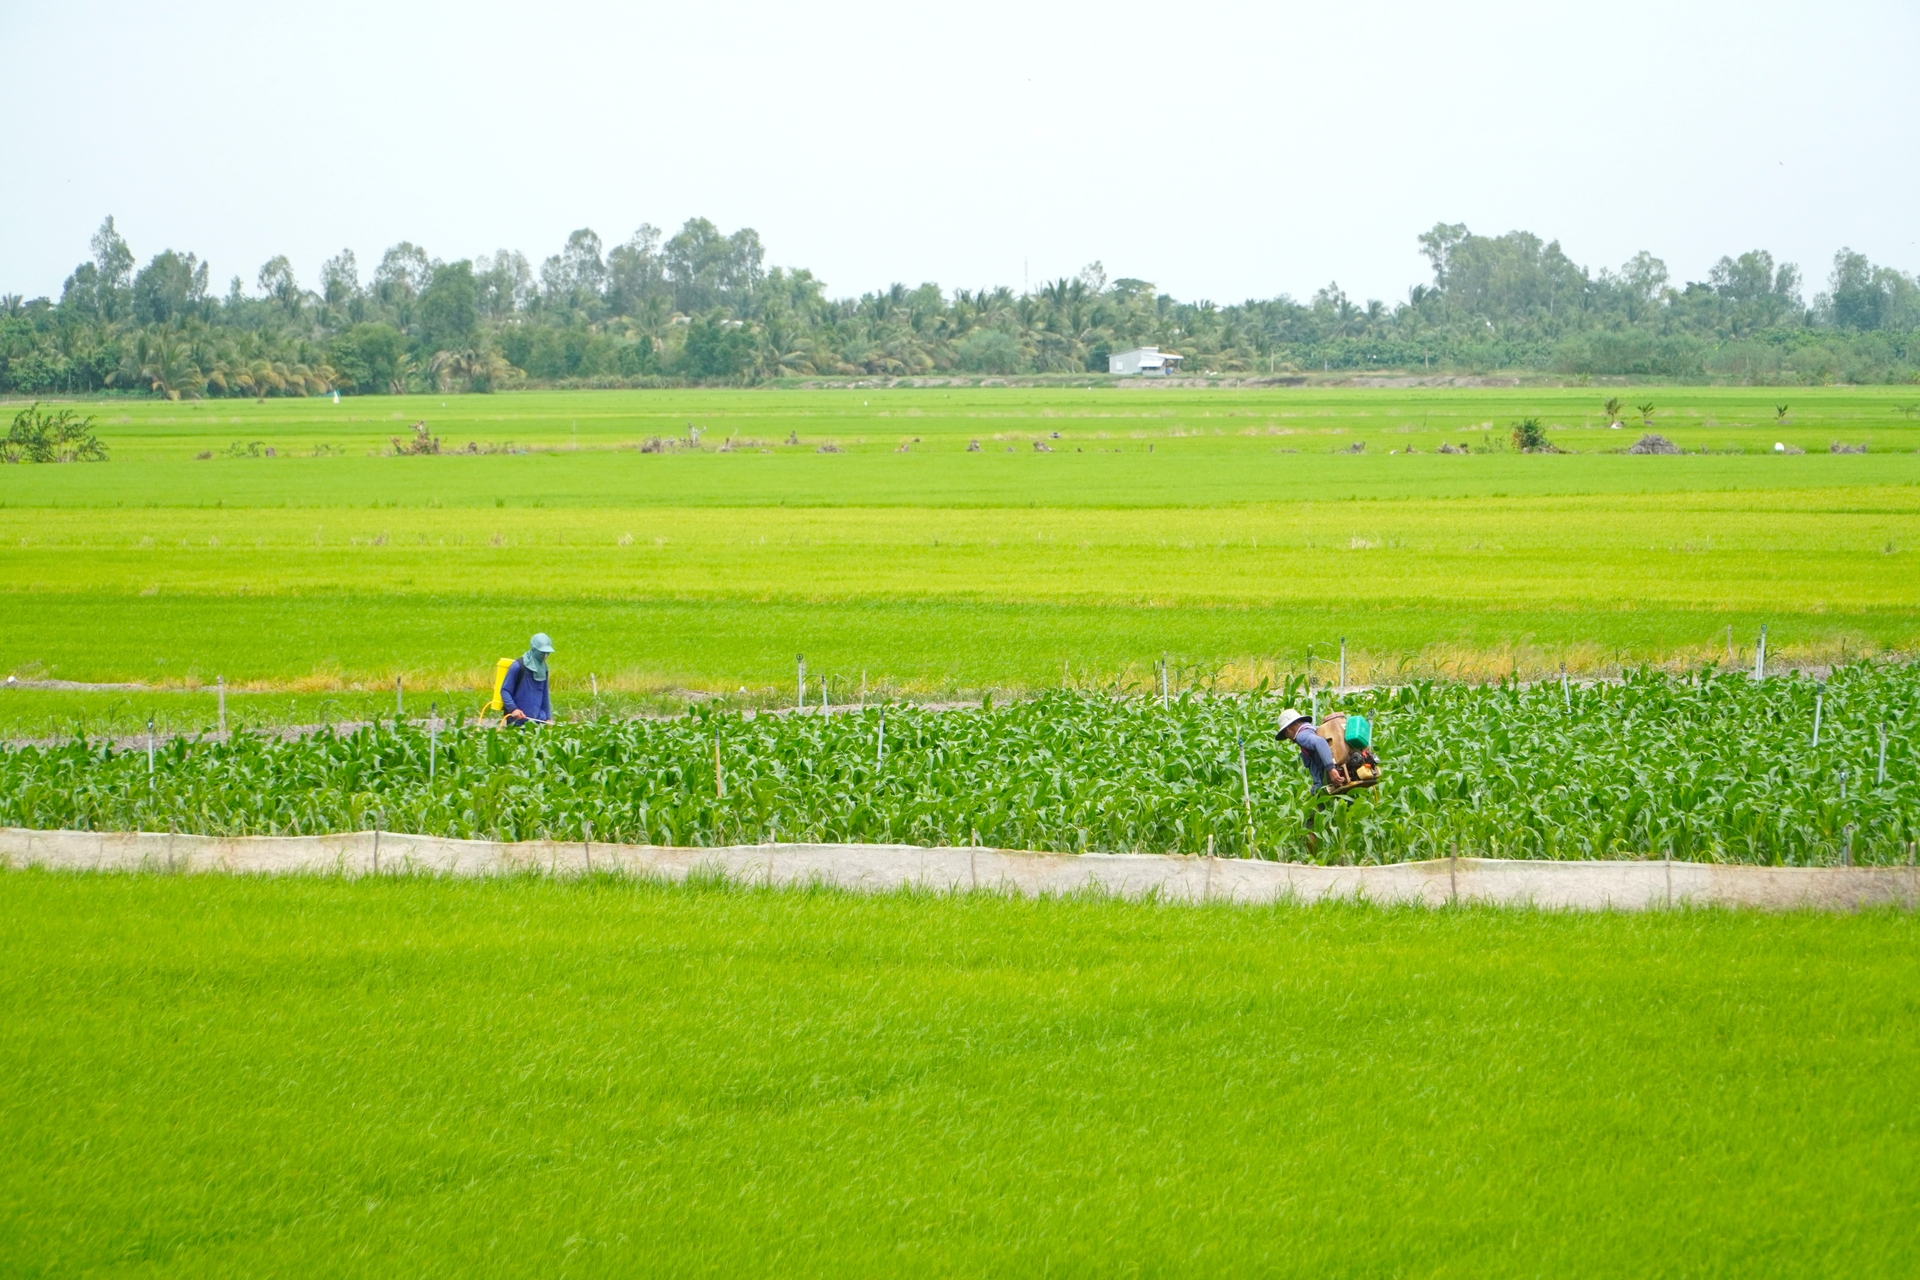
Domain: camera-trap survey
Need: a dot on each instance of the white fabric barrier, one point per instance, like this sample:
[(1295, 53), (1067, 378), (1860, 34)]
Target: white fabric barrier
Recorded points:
[(1590, 886)]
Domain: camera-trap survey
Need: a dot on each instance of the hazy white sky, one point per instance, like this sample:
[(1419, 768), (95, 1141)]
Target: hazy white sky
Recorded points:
[(1219, 148)]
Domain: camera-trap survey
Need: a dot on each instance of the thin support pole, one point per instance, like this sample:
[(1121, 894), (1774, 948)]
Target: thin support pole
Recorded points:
[(1453, 872), (800, 698), (376, 841), (1818, 700), (823, 695), (433, 739), (1760, 655), (880, 742), (1343, 663), (1246, 793), (1163, 682), (586, 845), (221, 681), (149, 753), (399, 697), (1566, 690), (719, 777), (593, 683)]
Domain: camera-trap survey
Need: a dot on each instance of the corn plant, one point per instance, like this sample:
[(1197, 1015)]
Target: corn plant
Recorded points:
[(1714, 766)]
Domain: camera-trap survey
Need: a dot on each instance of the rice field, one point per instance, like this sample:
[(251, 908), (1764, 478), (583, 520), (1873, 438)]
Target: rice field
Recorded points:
[(1230, 530), (218, 1076)]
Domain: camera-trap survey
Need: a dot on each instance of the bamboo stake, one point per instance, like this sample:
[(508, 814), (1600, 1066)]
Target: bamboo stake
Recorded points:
[(399, 698), (1818, 699), (800, 699), (880, 743), (222, 682), (1246, 794), (1760, 655)]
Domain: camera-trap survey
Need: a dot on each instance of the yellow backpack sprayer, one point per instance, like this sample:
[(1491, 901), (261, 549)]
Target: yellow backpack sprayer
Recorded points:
[(498, 707)]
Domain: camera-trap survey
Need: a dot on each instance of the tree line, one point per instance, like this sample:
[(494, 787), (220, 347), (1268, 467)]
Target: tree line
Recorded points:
[(701, 307)]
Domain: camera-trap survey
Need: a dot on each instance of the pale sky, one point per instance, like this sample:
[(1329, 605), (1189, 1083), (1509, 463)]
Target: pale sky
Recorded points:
[(1219, 148)]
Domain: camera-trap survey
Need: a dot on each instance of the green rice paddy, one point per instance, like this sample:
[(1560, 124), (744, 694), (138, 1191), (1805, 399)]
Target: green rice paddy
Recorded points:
[(231, 1076), (1228, 529)]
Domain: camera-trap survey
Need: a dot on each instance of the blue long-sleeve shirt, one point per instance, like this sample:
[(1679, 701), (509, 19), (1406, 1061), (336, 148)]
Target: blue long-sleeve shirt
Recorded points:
[(1315, 754), (521, 692)]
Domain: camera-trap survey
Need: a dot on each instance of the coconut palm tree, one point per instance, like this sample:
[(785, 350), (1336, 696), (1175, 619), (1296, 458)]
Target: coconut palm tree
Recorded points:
[(482, 368), (161, 361)]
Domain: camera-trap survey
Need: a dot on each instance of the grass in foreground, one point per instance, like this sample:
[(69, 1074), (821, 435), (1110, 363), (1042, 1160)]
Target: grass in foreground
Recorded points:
[(238, 1076)]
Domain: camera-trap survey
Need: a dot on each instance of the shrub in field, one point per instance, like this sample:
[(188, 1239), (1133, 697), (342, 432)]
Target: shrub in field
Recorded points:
[(422, 443), (1530, 437), (60, 436)]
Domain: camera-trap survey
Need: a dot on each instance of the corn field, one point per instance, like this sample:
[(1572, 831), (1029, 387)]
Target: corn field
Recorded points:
[(1715, 766)]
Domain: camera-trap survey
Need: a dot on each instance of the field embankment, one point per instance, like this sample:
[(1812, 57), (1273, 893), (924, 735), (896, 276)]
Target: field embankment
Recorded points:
[(1662, 885)]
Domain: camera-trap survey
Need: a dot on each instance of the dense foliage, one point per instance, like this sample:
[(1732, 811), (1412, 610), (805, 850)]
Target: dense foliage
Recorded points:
[(1714, 767), (701, 306)]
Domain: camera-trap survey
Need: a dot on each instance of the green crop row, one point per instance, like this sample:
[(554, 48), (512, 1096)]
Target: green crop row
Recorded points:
[(1714, 766)]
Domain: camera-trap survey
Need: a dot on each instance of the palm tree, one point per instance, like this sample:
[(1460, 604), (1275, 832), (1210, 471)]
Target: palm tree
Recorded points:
[(483, 368), (162, 362), (785, 350)]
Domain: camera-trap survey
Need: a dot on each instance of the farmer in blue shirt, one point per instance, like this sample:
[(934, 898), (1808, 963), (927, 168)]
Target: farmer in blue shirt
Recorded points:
[(1298, 729), (523, 694)]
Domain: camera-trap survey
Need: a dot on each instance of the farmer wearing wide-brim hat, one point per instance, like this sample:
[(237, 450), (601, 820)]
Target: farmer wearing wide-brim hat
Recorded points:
[(1297, 727), (523, 694)]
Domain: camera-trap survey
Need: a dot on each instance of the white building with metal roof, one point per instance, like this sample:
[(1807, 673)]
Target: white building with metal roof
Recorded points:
[(1144, 362)]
